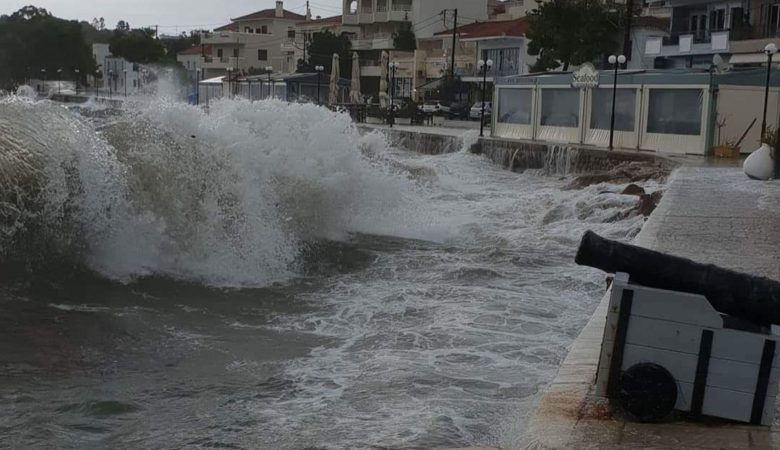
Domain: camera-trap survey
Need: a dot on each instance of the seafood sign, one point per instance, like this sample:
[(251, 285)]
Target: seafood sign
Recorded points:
[(585, 77)]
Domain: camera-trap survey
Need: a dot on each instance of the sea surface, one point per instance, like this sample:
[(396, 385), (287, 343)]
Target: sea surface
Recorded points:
[(264, 276)]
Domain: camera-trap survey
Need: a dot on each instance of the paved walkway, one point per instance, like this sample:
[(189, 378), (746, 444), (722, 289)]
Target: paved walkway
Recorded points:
[(709, 214)]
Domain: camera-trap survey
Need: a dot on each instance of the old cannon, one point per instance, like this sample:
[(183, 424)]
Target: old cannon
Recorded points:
[(686, 336)]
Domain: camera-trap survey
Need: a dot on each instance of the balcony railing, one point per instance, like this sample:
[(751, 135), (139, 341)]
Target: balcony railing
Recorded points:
[(741, 33)]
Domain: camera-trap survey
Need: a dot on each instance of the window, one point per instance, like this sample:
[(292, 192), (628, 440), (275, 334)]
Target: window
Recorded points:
[(258, 30), (737, 17), (291, 34), (514, 106), (505, 60), (601, 109), (219, 53), (717, 19), (675, 111), (561, 107), (235, 53), (262, 54), (264, 29)]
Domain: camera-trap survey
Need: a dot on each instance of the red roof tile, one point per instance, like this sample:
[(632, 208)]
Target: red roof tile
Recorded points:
[(516, 27), (196, 50), (271, 14), (229, 27), (323, 21)]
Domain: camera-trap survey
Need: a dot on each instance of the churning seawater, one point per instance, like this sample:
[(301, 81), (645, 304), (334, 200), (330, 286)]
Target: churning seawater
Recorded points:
[(263, 276)]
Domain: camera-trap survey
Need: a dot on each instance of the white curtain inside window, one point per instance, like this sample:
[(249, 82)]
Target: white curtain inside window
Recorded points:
[(561, 107), (601, 109), (514, 106), (675, 111)]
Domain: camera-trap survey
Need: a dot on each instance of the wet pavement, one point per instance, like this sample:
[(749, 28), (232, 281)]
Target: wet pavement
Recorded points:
[(711, 214)]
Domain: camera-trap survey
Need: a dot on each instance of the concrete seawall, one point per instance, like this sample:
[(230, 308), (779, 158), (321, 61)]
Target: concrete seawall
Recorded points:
[(515, 155), (560, 159)]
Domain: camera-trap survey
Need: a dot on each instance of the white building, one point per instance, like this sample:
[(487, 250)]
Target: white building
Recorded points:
[(116, 75), (374, 22), (99, 53), (253, 42)]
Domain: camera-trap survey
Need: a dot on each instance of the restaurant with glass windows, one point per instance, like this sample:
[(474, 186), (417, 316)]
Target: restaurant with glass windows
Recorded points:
[(666, 111)]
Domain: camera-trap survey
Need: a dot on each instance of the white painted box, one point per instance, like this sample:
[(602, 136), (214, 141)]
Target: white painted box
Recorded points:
[(719, 371)]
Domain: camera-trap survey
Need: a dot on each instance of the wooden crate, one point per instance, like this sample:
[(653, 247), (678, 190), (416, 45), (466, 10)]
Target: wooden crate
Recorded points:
[(720, 372)]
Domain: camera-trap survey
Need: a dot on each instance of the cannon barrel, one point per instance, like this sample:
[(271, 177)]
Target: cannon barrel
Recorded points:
[(748, 297)]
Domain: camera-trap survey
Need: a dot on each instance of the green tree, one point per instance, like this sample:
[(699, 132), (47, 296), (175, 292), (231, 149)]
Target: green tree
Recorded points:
[(404, 39), (320, 53), (33, 41), (174, 45), (123, 26), (138, 46), (565, 32)]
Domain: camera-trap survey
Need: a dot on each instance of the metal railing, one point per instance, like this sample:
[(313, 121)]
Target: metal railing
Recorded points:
[(741, 33)]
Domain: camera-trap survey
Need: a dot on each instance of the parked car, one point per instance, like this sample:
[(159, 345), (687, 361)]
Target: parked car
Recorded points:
[(476, 110), (459, 111), (431, 106)]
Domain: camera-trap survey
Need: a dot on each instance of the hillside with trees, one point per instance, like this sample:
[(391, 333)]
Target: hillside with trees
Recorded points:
[(32, 41)]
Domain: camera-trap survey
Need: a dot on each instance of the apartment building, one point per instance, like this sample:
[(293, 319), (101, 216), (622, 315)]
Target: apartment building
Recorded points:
[(251, 43), (372, 23), (699, 29)]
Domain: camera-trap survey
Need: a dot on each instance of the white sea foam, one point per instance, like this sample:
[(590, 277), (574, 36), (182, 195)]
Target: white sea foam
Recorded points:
[(226, 197)]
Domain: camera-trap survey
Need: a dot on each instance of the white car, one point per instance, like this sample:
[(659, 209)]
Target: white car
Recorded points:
[(430, 106), (476, 110), (433, 106)]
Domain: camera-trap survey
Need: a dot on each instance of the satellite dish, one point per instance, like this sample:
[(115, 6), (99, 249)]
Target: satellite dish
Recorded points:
[(720, 64)]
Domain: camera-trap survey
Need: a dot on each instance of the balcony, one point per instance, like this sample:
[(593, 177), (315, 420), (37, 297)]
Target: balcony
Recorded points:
[(288, 45), (233, 37), (372, 44), (222, 37), (222, 63), (689, 43)]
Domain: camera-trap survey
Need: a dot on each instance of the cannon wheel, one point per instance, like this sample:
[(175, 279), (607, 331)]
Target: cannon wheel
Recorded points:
[(648, 392)]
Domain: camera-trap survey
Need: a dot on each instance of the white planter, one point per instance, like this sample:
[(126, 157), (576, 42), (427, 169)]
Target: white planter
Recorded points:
[(760, 165), (403, 121), (374, 120), (438, 120)]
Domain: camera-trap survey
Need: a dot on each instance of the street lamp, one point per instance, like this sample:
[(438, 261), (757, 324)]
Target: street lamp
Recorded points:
[(615, 61), (110, 88), (77, 71), (230, 87), (43, 71), (59, 80), (393, 68), (319, 70), (484, 66), (197, 86), (97, 74), (268, 70), (770, 51), (125, 82)]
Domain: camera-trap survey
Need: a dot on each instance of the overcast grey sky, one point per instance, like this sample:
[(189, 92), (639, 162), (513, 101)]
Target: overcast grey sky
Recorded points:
[(171, 15)]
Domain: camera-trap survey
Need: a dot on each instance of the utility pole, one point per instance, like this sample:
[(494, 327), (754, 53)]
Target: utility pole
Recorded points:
[(454, 37), (627, 30)]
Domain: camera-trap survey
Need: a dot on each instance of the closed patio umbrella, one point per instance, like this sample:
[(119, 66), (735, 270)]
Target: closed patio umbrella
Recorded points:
[(383, 98), (354, 92), (335, 74)]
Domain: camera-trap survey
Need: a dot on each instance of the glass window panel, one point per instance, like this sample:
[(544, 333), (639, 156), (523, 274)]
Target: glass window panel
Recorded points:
[(561, 108), (514, 106), (601, 109), (675, 111)]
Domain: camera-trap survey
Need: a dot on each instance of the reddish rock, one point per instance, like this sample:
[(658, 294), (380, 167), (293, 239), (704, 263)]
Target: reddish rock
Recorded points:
[(633, 189)]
